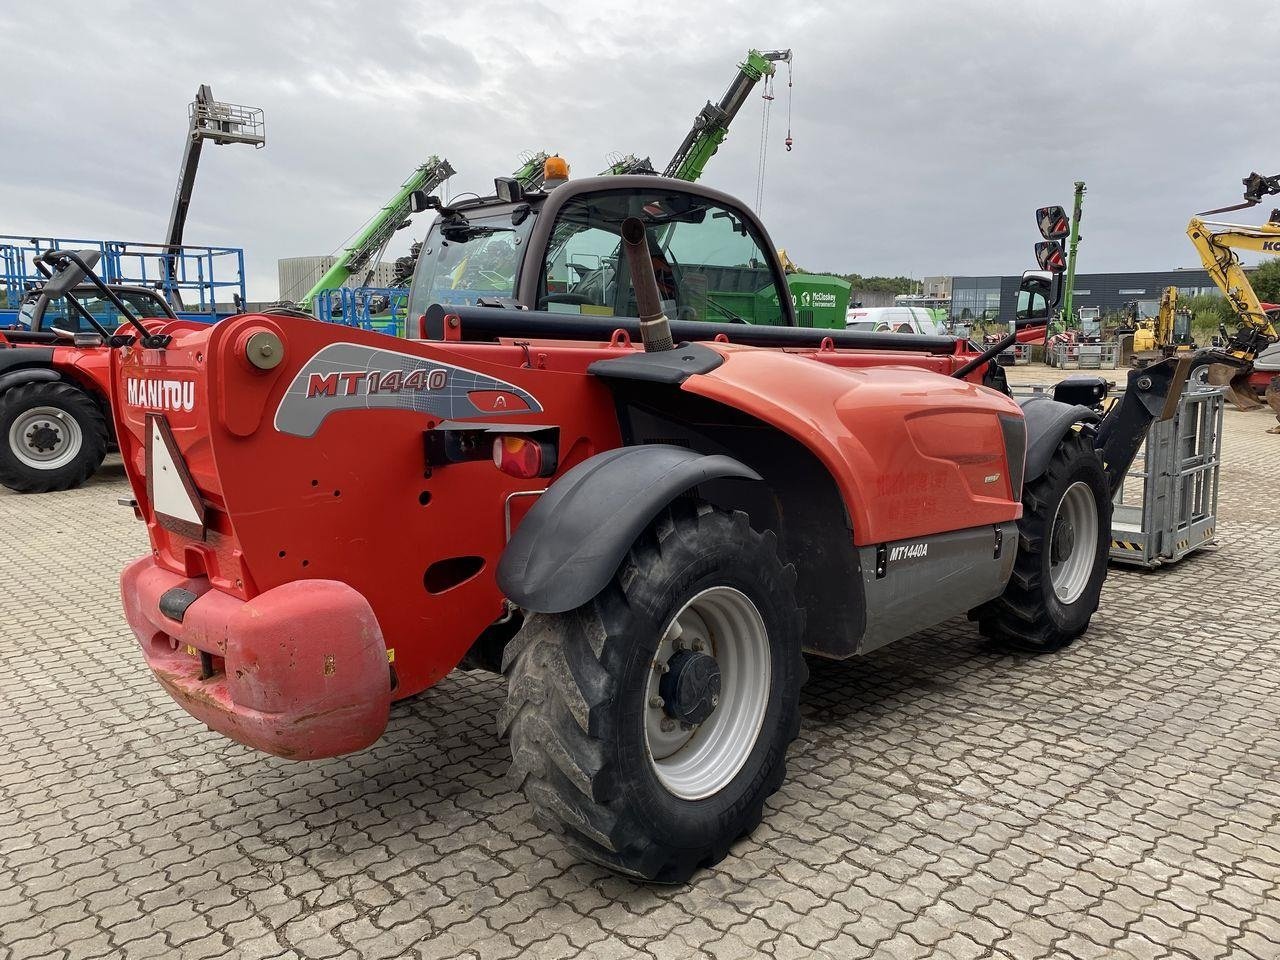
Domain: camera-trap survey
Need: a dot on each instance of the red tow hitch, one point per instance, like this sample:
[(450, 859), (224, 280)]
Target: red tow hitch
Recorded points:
[(299, 671)]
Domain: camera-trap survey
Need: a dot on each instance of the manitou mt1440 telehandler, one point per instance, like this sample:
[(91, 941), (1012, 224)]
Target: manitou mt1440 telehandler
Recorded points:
[(641, 514)]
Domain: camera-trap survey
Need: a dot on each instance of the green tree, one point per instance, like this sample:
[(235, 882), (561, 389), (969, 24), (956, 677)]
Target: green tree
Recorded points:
[(1266, 281)]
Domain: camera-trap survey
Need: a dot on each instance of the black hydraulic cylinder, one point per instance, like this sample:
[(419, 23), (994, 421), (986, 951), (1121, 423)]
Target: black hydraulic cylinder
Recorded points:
[(492, 323)]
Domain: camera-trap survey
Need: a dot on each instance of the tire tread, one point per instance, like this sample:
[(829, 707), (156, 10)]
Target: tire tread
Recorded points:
[(561, 673)]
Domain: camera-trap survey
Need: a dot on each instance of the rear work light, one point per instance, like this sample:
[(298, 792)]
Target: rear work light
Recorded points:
[(525, 457)]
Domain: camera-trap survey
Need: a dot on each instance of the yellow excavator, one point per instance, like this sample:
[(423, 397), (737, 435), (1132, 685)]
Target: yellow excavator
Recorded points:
[(1167, 334), (1216, 242)]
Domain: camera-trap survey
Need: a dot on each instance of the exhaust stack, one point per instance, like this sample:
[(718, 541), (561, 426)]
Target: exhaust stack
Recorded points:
[(655, 328)]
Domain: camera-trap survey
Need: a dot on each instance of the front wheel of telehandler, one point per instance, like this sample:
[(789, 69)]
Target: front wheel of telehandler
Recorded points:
[(53, 436), (1064, 538), (649, 725)]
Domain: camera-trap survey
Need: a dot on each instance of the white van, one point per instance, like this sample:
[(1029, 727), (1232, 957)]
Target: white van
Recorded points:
[(892, 320)]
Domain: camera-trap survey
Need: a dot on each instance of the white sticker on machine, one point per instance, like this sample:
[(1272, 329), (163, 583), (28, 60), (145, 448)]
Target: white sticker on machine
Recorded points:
[(174, 498)]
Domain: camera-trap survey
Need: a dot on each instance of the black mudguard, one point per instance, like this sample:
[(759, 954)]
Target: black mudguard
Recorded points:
[(574, 538), (26, 359), (1047, 422)]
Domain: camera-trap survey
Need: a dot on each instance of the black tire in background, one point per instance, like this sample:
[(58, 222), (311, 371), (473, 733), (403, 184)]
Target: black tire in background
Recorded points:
[(53, 436), (581, 710), (1062, 560)]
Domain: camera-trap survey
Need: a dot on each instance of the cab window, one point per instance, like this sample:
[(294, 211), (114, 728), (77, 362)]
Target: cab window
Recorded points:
[(708, 261), (1032, 304)]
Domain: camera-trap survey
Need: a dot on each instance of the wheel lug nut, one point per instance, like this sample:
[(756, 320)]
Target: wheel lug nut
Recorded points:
[(715, 701), (668, 724), (698, 646), (656, 702)]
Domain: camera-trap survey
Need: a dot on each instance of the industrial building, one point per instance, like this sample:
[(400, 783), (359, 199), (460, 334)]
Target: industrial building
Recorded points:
[(299, 274), (995, 298)]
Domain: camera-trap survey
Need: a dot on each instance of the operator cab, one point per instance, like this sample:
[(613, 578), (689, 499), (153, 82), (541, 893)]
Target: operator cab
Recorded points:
[(58, 315), (66, 308), (561, 252)]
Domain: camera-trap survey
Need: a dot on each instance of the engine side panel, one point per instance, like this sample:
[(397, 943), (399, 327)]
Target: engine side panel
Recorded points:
[(911, 585), (914, 453)]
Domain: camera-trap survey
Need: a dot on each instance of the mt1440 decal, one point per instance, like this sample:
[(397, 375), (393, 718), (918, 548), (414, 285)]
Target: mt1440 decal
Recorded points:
[(348, 376)]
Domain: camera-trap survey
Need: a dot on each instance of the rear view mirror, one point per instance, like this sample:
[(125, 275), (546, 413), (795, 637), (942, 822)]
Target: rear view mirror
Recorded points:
[(1053, 223), (1049, 256), (418, 201)]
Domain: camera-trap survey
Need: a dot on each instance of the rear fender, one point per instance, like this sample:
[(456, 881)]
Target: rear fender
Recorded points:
[(574, 538)]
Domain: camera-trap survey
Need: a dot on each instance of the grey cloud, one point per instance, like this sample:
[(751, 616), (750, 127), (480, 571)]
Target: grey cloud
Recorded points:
[(925, 132)]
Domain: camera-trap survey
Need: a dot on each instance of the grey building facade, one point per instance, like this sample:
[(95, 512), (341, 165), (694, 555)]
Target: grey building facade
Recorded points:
[(995, 298), (299, 274)]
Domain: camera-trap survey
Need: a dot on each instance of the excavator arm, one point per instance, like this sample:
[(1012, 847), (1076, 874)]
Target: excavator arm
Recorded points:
[(1165, 317), (1216, 243)]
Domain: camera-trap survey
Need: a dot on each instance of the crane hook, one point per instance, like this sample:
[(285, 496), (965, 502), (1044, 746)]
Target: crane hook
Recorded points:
[(788, 142)]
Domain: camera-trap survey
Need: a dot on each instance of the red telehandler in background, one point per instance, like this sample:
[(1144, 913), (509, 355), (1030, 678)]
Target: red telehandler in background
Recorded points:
[(55, 411)]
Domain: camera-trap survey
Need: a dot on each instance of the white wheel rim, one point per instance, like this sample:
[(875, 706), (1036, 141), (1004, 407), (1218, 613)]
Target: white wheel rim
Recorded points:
[(45, 438), (1071, 565), (699, 760)]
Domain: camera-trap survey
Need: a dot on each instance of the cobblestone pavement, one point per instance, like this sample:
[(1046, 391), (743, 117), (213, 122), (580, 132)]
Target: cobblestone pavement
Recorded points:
[(945, 799)]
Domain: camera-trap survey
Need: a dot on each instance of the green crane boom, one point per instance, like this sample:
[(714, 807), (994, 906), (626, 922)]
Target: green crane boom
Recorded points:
[(377, 232), (711, 125), (530, 172), (1068, 289)]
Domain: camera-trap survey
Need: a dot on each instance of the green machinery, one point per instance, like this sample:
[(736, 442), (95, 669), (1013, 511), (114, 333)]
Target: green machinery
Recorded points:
[(820, 300), (1069, 283), (711, 125), (367, 246), (530, 171)]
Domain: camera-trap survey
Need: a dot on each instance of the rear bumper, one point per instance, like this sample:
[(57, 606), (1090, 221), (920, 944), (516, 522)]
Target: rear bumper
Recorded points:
[(299, 671)]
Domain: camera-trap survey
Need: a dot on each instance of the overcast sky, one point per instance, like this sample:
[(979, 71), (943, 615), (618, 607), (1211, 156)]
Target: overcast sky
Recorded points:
[(925, 133)]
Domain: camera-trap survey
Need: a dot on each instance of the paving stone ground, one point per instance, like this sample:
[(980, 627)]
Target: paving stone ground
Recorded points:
[(945, 799)]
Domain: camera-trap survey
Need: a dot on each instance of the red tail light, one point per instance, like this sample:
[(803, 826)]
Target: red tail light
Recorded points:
[(524, 457)]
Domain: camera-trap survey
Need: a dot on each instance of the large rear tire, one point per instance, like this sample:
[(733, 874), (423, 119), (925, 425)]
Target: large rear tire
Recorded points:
[(53, 436), (1064, 538), (649, 726)]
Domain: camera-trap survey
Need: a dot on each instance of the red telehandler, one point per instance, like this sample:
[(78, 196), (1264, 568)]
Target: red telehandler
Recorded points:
[(55, 375), (595, 481)]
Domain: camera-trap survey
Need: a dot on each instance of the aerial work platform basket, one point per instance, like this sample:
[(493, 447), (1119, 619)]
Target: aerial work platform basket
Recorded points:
[(226, 122), (1173, 485)]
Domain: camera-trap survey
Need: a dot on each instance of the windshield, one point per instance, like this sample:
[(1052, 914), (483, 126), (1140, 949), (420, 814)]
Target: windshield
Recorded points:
[(462, 264)]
